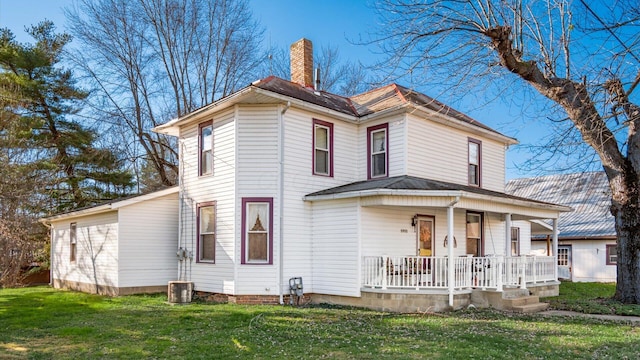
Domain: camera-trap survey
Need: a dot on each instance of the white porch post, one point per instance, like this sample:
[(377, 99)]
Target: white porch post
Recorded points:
[(507, 236), (555, 247), (450, 252)]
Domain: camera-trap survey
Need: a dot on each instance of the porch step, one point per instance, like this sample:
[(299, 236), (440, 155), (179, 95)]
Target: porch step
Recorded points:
[(531, 308), (524, 304), (520, 301)]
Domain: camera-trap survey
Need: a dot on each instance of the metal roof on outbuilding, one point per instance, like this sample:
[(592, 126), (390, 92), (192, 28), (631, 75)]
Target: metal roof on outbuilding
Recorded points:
[(587, 193)]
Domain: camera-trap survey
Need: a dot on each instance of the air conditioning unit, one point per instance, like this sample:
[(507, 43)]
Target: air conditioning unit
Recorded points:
[(179, 292)]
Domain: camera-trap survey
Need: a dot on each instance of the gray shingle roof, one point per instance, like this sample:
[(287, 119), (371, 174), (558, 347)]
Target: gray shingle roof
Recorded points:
[(406, 182), (379, 99), (587, 193)]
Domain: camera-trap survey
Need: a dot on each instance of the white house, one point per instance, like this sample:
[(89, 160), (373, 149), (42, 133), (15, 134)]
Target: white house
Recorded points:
[(388, 199), (118, 248), (357, 196), (587, 236)]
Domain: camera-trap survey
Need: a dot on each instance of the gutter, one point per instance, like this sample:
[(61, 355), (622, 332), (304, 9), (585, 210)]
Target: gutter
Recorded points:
[(436, 193)]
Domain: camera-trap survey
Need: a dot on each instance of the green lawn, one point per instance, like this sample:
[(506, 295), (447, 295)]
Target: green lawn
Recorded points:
[(42, 323), (591, 298)]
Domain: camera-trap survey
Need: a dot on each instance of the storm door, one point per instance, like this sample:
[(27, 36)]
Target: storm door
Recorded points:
[(564, 262), (425, 236)]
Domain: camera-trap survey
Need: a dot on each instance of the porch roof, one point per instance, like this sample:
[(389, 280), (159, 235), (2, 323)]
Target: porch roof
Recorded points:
[(411, 186)]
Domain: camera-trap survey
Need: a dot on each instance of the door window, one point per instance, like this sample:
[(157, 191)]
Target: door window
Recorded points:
[(425, 237)]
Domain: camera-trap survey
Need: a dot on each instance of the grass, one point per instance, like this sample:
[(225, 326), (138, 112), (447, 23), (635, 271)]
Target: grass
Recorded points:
[(591, 298), (43, 323)]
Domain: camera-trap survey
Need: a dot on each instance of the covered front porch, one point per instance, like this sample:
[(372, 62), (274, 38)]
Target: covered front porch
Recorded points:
[(468, 272), (422, 238)]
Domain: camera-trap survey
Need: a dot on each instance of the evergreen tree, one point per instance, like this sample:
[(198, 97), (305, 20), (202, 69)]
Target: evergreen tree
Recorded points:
[(39, 102)]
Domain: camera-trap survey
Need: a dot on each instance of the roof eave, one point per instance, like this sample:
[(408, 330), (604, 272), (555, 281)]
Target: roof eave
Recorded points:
[(172, 128), (438, 193), (112, 206)]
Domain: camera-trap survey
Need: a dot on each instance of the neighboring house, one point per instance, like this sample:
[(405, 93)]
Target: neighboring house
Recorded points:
[(388, 199), (587, 239), (122, 247)]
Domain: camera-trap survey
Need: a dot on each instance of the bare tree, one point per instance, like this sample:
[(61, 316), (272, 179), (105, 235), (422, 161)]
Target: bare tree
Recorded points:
[(583, 63), (154, 60)]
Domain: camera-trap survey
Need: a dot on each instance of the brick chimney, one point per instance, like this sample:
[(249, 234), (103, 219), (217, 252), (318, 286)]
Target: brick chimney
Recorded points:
[(301, 53)]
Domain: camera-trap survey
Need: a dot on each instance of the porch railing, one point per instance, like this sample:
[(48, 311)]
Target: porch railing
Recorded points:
[(419, 272)]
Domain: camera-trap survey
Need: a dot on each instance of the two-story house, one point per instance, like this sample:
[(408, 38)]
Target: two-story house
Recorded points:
[(388, 199)]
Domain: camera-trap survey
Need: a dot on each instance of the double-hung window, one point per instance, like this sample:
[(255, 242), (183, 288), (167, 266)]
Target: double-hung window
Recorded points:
[(515, 241), (207, 232), (378, 144), (257, 231), (73, 241), (206, 148), (475, 154), (612, 254), (322, 148)]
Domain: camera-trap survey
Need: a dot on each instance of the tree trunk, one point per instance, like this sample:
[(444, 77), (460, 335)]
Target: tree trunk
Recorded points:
[(627, 216)]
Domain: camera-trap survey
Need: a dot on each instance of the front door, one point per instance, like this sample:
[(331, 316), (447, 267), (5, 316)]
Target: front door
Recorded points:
[(564, 261), (425, 236)]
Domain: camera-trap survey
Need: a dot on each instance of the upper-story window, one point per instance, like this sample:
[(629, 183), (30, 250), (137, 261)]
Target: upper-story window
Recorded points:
[(378, 154), (205, 145), (475, 162), (322, 148)]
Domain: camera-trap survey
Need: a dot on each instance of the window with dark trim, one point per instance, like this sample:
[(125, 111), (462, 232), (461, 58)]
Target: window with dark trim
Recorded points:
[(515, 241), (377, 151), (474, 234), (257, 231), (475, 162), (73, 241), (205, 148), (207, 232), (322, 148), (612, 254)]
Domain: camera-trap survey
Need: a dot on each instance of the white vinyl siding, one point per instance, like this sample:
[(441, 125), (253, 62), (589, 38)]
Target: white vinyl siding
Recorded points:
[(219, 188), (257, 171), (336, 248), (388, 231), (588, 259), (298, 182), (148, 242), (439, 152), (96, 250)]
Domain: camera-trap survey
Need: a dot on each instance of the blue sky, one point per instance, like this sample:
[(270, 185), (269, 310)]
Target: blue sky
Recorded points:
[(327, 22)]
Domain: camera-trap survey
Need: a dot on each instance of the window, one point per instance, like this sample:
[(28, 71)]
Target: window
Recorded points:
[(612, 254), (73, 240), (206, 148), (563, 256), (207, 232), (515, 241), (378, 143), (322, 148), (257, 233), (475, 155), (474, 234)]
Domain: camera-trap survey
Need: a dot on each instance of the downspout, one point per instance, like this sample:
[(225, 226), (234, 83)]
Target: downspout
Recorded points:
[(450, 236), (180, 205), (507, 237), (281, 203)]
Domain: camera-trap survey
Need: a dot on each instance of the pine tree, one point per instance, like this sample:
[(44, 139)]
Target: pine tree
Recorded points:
[(40, 101)]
